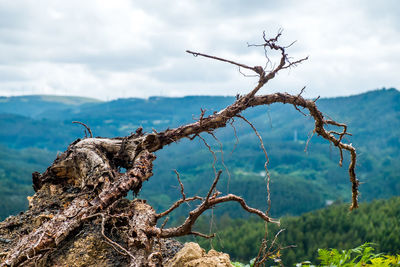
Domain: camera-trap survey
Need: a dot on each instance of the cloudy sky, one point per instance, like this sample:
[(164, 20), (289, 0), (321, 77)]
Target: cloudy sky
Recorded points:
[(121, 48)]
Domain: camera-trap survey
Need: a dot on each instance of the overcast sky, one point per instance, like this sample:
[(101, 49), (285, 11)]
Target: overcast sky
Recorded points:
[(120, 48)]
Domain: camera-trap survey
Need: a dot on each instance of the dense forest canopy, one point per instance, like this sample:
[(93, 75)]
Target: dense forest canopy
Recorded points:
[(332, 227), (301, 181), (35, 128)]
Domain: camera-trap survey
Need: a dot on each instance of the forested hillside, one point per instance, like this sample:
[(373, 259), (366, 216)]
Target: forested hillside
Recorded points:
[(333, 227), (34, 128)]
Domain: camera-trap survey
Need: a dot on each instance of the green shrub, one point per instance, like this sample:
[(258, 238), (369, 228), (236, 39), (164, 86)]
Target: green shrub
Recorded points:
[(360, 256)]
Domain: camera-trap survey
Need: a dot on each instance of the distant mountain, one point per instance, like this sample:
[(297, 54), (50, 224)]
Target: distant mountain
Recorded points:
[(35, 106), (122, 116), (300, 181)]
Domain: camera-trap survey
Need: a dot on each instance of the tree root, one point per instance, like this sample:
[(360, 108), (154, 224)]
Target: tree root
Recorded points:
[(84, 182)]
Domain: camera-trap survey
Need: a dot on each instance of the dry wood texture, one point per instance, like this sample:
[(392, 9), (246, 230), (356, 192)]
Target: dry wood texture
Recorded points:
[(81, 194)]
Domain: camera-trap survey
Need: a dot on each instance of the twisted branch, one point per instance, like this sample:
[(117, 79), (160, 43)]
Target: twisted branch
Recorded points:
[(87, 128), (221, 118), (102, 157), (208, 202)]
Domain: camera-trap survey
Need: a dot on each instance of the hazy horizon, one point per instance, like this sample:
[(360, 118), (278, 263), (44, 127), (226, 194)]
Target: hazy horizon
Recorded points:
[(155, 96)]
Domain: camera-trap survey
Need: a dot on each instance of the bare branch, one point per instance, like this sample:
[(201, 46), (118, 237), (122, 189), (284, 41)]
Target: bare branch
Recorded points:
[(202, 235), (208, 202), (258, 135), (269, 251), (332, 122), (222, 59), (87, 128), (235, 134), (231, 197), (266, 160), (179, 202), (211, 151), (221, 149), (164, 223), (308, 140), (221, 118), (247, 75), (295, 106), (92, 167), (180, 184), (186, 227), (214, 184), (176, 205), (320, 122)]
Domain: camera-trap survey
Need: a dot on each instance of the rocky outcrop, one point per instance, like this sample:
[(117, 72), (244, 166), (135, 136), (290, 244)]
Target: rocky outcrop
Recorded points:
[(192, 255)]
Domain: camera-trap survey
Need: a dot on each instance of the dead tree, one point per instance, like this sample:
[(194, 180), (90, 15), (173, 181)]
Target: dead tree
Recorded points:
[(84, 190)]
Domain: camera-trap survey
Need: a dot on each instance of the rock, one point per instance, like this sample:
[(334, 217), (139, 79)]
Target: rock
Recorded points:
[(192, 255)]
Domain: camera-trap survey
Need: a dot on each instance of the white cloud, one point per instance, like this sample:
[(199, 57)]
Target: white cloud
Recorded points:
[(110, 49)]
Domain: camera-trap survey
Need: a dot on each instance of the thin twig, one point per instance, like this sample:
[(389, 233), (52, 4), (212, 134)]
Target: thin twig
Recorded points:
[(214, 184), (181, 185), (266, 160), (222, 159), (164, 223), (220, 59), (176, 205), (235, 134), (211, 151), (308, 140), (87, 128), (202, 235), (209, 201)]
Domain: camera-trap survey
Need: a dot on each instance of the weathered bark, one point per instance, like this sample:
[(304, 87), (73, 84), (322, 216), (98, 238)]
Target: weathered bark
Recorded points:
[(87, 167), (82, 184), (79, 200)]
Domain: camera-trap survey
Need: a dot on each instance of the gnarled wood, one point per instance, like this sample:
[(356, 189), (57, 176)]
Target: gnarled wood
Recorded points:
[(83, 188)]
